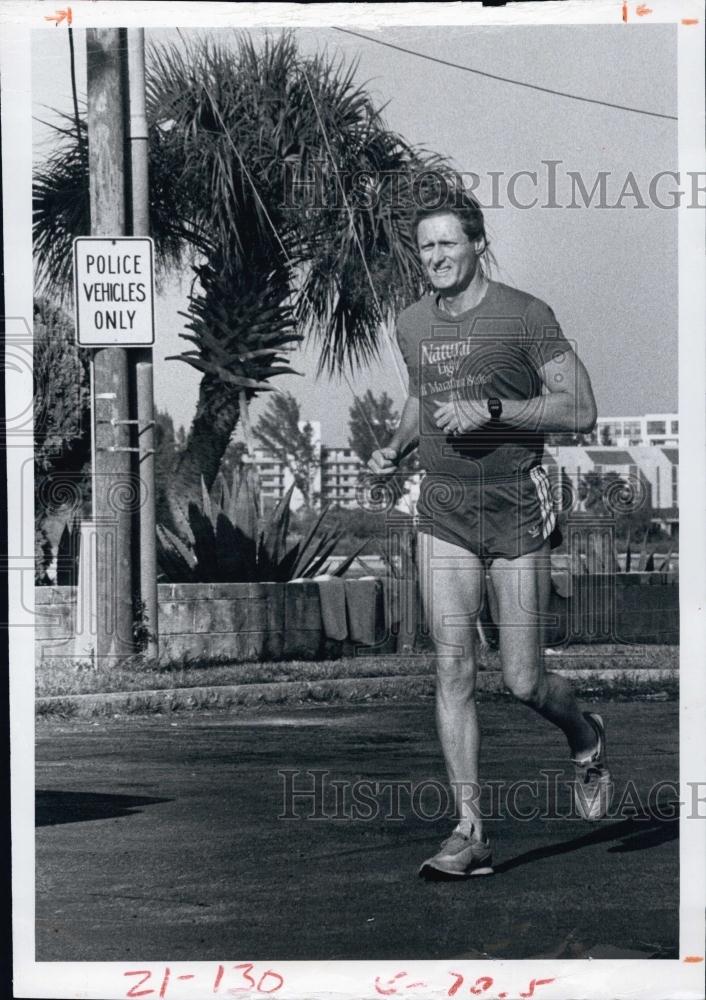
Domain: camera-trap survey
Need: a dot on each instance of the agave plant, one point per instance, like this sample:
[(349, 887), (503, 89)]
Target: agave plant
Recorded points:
[(232, 543)]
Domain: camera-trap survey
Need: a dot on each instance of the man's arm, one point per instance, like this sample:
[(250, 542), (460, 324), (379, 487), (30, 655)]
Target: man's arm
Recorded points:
[(569, 404), (405, 439)]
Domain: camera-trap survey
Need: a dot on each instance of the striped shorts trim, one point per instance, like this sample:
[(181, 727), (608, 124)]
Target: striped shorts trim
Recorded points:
[(539, 477)]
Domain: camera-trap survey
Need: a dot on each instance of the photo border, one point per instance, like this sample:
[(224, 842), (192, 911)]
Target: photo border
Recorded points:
[(652, 978)]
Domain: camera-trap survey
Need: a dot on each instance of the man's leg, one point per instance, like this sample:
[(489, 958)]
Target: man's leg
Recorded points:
[(521, 590), (451, 584)]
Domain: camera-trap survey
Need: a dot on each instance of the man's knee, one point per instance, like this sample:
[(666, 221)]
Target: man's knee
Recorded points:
[(526, 686), (456, 677), (454, 636)]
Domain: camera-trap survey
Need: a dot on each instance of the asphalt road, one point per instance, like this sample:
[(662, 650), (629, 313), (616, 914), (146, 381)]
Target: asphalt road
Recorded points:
[(160, 838)]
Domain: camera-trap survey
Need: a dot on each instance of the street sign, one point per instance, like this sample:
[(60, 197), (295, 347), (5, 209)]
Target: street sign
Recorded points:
[(114, 291)]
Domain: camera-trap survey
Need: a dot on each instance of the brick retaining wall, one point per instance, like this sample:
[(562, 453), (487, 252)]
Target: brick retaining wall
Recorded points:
[(271, 621)]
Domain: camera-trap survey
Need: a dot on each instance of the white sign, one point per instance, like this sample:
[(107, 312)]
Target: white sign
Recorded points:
[(114, 291)]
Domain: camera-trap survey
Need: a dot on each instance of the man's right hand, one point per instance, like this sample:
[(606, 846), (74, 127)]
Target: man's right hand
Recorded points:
[(383, 462)]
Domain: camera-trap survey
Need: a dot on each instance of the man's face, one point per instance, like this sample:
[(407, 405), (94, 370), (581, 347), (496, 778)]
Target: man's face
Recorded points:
[(448, 256)]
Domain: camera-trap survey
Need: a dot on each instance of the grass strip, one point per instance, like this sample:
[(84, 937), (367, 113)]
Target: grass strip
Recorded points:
[(617, 685), (65, 677)]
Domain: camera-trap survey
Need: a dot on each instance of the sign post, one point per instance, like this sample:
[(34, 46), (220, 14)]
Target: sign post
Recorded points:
[(114, 302), (114, 305), (113, 508)]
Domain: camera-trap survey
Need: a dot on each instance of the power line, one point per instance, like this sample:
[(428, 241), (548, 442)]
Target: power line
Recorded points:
[(505, 79)]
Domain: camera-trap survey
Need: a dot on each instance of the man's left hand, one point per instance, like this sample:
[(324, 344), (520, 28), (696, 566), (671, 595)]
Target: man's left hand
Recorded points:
[(461, 416)]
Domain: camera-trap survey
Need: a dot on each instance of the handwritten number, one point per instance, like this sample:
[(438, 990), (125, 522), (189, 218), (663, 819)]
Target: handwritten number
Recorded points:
[(277, 986), (390, 982), (165, 983), (146, 974), (457, 985), (535, 982), (247, 966), (271, 981)]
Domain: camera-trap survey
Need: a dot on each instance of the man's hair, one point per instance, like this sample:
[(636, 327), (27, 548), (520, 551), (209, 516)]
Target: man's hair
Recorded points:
[(436, 192)]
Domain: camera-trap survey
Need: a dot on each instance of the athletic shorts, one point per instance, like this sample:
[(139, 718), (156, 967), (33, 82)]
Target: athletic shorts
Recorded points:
[(504, 518)]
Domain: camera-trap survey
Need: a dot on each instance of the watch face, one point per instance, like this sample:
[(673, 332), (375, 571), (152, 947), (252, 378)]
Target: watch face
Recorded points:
[(495, 408)]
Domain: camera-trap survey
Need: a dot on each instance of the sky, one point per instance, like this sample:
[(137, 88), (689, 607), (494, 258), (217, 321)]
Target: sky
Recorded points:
[(610, 274)]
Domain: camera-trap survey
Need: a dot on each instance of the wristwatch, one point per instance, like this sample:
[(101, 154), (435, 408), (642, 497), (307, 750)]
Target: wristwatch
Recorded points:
[(495, 409)]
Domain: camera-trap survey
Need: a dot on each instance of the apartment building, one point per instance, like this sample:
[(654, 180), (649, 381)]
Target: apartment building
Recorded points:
[(335, 474), (340, 471), (653, 429)]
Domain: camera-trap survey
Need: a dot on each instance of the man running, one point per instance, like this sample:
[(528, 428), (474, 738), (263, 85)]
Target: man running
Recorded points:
[(490, 372)]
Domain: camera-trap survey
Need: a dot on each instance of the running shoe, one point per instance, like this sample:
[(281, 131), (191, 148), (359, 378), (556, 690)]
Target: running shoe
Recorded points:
[(459, 857), (593, 785)]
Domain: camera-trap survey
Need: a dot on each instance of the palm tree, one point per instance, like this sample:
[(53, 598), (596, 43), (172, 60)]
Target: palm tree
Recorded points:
[(239, 329), (277, 178)]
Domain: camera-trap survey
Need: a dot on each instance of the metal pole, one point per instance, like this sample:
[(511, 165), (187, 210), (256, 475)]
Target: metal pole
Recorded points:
[(138, 132), (144, 373), (92, 378), (106, 134)]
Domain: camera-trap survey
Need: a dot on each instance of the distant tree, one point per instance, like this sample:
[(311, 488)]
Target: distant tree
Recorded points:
[(61, 391), (233, 459), (591, 487), (62, 435), (164, 429), (610, 494), (371, 424), (281, 432), (165, 456), (43, 554)]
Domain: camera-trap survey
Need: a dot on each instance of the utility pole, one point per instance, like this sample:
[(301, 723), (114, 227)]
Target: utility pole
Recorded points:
[(144, 380), (113, 485)]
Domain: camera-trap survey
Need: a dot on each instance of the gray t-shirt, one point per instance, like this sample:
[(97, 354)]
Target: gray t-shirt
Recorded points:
[(494, 349)]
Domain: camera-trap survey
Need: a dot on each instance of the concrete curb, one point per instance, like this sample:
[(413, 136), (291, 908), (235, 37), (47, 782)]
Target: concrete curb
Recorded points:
[(352, 689)]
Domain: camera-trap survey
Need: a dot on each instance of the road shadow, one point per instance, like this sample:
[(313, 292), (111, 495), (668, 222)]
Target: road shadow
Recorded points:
[(631, 834), (55, 807)]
